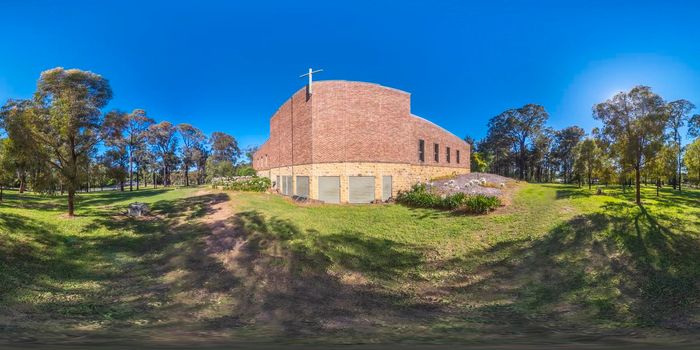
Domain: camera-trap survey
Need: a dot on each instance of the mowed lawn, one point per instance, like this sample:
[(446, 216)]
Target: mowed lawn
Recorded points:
[(559, 263)]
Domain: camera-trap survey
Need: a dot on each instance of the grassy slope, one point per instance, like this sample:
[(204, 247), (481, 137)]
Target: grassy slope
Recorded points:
[(557, 259)]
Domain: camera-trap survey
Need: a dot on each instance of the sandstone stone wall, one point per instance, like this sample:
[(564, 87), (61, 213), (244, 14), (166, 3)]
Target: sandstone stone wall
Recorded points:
[(403, 175)]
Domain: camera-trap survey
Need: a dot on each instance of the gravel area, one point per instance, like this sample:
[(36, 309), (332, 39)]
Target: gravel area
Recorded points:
[(473, 184)]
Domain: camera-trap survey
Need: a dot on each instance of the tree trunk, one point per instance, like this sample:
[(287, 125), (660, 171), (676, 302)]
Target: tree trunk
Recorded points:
[(71, 201), (187, 176), (658, 184), (589, 181), (131, 172), (138, 170), (638, 193), (679, 171), (1, 187), (154, 179)]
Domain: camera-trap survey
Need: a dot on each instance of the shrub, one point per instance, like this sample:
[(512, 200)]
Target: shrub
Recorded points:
[(243, 183), (481, 204), (420, 196)]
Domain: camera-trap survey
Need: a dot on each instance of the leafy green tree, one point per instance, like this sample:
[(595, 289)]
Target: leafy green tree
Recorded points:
[(14, 119), (7, 165), (692, 159), (679, 115), (221, 168), (192, 140), (224, 147), (135, 128), (162, 138), (66, 121), (520, 126), (564, 144), (540, 155), (633, 124), (245, 170), (587, 160), (477, 162)]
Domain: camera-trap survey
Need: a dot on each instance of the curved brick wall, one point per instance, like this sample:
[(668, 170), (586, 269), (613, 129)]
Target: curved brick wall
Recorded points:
[(353, 122)]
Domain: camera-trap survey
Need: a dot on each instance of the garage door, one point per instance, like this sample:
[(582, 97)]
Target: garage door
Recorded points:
[(302, 186), (290, 188), (386, 187), (329, 189), (361, 189)]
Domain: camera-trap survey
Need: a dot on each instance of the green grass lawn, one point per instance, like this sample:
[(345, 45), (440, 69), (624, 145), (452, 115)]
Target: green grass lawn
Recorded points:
[(558, 263)]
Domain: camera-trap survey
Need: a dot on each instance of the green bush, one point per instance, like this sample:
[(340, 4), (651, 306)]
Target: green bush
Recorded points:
[(420, 197), (244, 183), (481, 204)]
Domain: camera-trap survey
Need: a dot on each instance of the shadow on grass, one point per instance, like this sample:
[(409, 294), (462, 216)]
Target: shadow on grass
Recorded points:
[(622, 266), (288, 280)]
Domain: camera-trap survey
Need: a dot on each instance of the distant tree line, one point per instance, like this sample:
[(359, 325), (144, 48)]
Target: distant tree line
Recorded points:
[(641, 141), (60, 141)]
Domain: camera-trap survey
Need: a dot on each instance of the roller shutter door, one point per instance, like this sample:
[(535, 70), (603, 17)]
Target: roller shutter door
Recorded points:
[(302, 186), (386, 187), (361, 189), (329, 189)]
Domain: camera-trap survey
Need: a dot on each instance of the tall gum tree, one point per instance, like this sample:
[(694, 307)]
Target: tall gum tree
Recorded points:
[(678, 112), (192, 139), (66, 122), (633, 125)]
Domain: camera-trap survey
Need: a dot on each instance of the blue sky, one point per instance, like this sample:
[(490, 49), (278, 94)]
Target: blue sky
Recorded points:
[(227, 66)]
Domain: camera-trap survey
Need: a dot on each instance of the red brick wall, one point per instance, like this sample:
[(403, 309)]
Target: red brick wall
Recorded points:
[(353, 122)]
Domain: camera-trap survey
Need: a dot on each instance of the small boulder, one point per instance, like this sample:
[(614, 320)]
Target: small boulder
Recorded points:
[(137, 209)]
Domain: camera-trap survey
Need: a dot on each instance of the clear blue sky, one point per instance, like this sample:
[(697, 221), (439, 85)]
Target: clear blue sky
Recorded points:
[(225, 65)]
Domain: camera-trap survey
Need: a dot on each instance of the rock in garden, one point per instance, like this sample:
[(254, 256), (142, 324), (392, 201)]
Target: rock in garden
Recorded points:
[(137, 209)]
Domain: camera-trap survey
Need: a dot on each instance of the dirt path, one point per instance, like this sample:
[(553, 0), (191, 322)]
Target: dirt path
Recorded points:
[(224, 235)]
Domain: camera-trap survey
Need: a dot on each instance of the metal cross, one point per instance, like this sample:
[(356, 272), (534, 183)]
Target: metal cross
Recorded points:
[(310, 75)]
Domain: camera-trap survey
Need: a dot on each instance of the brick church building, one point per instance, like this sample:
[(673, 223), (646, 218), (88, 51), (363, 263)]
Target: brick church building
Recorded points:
[(354, 142)]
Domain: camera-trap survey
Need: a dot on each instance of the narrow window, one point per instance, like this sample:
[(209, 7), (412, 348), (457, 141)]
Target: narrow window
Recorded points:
[(437, 153), (457, 156), (421, 150), (447, 154)]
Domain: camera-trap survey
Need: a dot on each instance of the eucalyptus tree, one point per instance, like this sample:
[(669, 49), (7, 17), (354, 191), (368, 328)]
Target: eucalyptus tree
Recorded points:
[(564, 144), (498, 145), (224, 147), (679, 115), (116, 156), (540, 155), (200, 157), (7, 165), (135, 128), (633, 125), (162, 137), (521, 126), (14, 119), (192, 140), (588, 159), (692, 159), (66, 121)]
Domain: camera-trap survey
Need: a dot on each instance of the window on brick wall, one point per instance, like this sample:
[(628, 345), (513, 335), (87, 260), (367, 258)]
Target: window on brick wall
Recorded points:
[(447, 154), (421, 150), (457, 156), (437, 153)]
